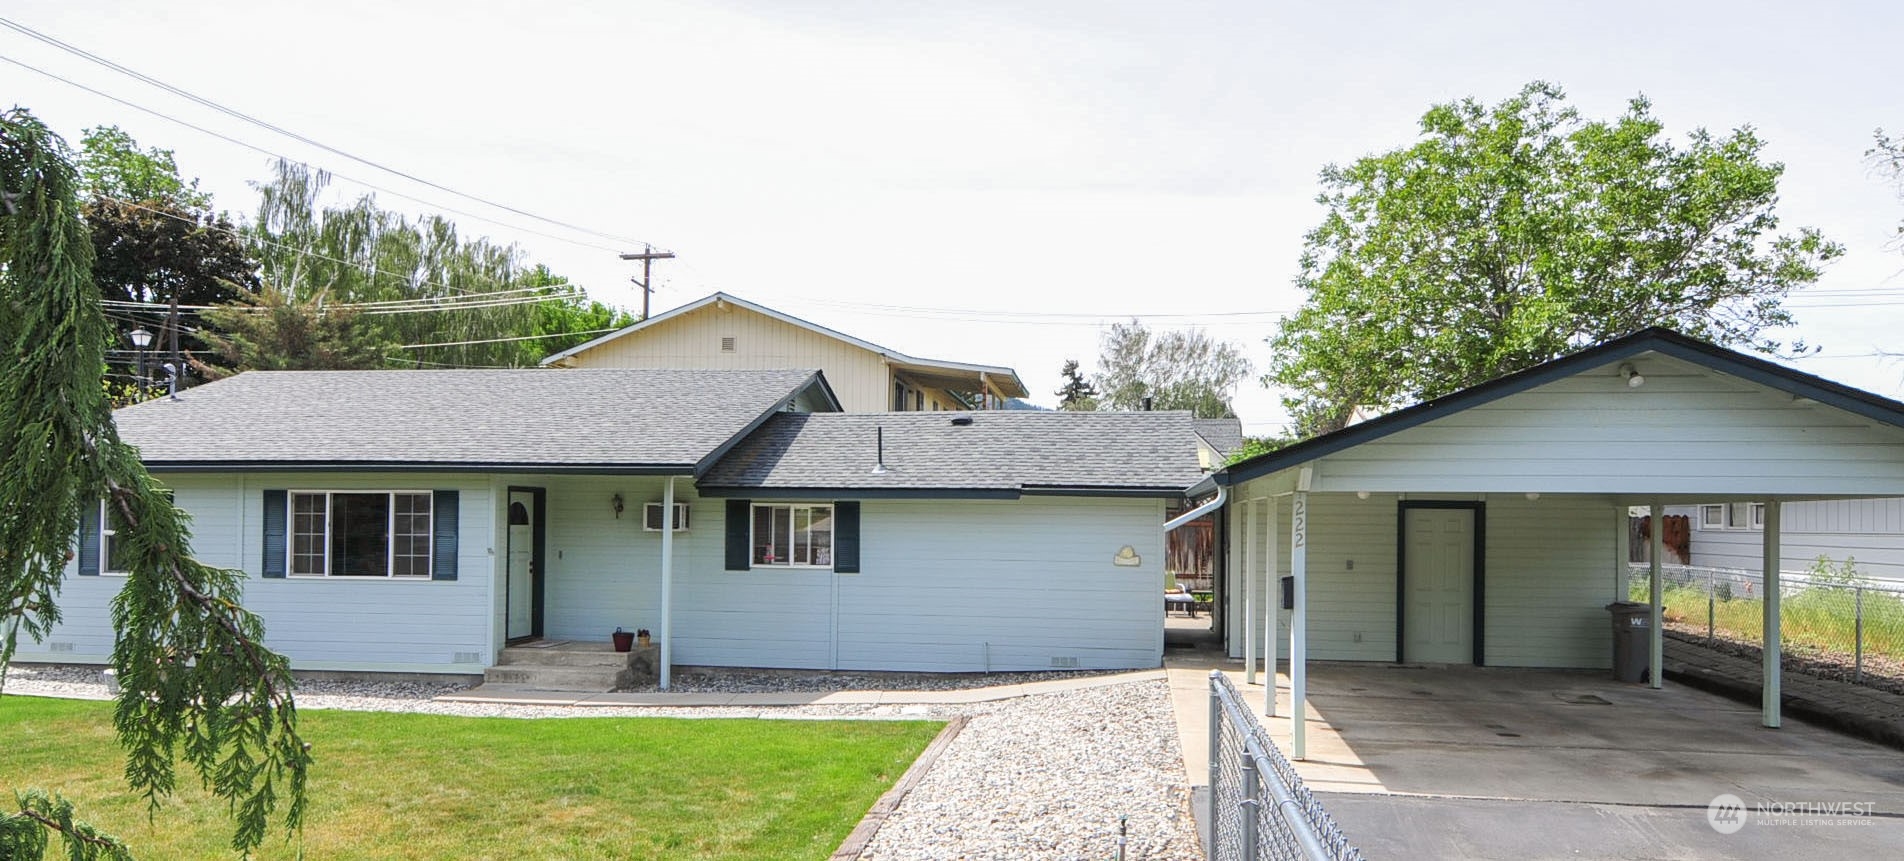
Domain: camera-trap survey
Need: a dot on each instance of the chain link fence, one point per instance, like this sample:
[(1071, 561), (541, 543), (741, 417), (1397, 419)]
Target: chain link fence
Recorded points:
[(1832, 623), (1259, 808)]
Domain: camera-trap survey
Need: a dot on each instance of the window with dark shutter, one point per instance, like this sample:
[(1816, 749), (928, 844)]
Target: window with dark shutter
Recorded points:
[(443, 554), (275, 517), (846, 537)]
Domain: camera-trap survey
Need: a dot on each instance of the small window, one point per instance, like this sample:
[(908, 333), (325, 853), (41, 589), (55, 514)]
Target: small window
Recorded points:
[(795, 536), (1739, 515), (727, 344), (1712, 516), (1758, 515), (361, 534), (111, 550), (651, 517)]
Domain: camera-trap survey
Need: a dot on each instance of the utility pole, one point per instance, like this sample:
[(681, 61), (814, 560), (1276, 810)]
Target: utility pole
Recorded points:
[(647, 258)]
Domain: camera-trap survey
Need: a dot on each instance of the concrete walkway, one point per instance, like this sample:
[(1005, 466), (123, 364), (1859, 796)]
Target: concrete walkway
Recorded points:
[(1864, 711), (506, 695)]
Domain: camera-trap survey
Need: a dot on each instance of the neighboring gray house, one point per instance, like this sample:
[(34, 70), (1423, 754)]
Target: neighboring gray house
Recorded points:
[(1871, 531), (1217, 439), (418, 521)]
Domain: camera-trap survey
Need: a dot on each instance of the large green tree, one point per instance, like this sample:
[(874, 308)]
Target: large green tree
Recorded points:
[(155, 237), (1510, 234), (198, 683), (1176, 370)]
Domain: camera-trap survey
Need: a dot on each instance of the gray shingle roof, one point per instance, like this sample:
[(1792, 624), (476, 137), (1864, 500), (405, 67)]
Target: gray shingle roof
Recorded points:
[(1224, 435), (532, 417), (1001, 451)]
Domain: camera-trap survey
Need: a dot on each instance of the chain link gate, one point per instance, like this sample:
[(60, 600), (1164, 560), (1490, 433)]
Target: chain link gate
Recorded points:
[(1260, 811)]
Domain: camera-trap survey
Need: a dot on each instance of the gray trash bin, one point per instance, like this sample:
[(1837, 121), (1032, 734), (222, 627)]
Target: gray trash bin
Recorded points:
[(1632, 640)]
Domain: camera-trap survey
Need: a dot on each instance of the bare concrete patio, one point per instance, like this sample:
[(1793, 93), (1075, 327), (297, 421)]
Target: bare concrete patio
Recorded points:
[(1502, 763)]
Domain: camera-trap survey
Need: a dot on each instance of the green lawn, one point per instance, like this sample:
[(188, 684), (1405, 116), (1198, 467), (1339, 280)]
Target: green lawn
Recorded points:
[(427, 786)]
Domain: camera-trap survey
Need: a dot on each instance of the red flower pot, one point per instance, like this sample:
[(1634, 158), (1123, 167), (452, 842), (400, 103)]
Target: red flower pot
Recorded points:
[(624, 640)]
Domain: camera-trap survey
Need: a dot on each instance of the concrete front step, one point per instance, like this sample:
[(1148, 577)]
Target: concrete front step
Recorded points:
[(598, 679), (566, 655)]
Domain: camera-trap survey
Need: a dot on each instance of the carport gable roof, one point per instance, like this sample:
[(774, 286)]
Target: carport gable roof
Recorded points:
[(535, 420), (995, 454), (1664, 342)]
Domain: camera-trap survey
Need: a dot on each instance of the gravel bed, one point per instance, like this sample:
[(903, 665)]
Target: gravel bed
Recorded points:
[(1035, 777), (776, 682), (1046, 777)]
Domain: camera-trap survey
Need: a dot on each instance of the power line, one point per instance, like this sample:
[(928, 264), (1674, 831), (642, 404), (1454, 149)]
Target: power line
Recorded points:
[(240, 115), (278, 155), (504, 340)]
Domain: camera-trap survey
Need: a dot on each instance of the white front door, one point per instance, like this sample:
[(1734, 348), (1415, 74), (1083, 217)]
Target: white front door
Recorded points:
[(521, 585), (1438, 575)]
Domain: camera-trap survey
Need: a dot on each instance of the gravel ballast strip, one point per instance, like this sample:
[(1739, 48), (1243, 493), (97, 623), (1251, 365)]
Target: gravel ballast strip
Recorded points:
[(1046, 777), (805, 682)]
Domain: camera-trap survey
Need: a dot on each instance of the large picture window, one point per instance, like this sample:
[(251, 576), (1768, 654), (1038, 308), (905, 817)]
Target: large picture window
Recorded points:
[(360, 534), (796, 536)]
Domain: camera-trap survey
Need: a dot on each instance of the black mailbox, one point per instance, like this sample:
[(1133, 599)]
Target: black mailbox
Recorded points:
[(1289, 593)]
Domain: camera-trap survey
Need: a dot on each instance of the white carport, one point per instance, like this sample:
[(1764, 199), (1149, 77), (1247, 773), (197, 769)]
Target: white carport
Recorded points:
[(1490, 526)]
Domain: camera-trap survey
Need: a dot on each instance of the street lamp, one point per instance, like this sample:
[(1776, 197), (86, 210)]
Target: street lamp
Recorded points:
[(141, 339)]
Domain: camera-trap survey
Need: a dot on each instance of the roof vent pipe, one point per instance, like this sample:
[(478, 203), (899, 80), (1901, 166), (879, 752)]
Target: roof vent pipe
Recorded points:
[(1146, 403), (879, 466)]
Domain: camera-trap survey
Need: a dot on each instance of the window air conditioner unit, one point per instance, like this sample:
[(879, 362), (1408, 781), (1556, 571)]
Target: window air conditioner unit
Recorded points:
[(651, 517)]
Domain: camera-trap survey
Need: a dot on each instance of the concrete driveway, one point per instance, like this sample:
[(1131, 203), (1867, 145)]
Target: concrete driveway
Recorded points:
[(1498, 763)]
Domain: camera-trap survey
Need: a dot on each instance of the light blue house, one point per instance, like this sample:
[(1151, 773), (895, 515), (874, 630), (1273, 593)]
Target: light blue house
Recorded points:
[(419, 521)]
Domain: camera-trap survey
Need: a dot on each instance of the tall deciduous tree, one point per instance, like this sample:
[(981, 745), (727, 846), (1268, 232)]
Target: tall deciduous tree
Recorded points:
[(1077, 394), (197, 681), (1886, 157), (1179, 370), (1511, 234), (493, 307)]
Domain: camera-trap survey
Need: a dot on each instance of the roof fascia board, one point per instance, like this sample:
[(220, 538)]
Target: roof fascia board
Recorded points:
[(706, 463), (1086, 490), (859, 492), (413, 467)]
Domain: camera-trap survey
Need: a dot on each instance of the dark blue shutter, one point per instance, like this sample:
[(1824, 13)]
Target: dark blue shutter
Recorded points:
[(89, 540), (443, 556), (739, 534), (276, 514), (846, 537)]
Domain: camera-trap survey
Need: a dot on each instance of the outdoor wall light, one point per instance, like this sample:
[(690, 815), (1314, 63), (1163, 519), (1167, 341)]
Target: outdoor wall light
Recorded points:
[(1634, 379), (617, 506), (1532, 495), (1361, 494)]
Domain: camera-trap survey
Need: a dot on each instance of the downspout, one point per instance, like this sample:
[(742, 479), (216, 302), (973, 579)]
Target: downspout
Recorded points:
[(667, 584), (1222, 496)]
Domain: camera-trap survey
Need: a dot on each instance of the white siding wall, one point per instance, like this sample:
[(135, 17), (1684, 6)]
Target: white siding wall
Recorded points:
[(1869, 530), (939, 581), (1549, 574), (964, 586), (1687, 431), (318, 623)]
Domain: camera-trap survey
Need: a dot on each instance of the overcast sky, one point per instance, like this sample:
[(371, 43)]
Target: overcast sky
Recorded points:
[(980, 181)]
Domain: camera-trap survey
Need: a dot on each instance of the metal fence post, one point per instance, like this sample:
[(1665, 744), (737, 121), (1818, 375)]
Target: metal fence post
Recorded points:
[(1712, 585), (1216, 732), (1250, 804), (1857, 672)]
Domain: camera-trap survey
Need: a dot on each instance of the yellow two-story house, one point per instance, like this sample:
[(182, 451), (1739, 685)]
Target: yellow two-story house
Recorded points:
[(723, 331)]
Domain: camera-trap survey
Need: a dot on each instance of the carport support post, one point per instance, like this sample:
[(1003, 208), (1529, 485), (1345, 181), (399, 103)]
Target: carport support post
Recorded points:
[(1298, 621), (1773, 695), (1249, 591), (667, 582), (1272, 601), (1657, 641), (1622, 550)]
